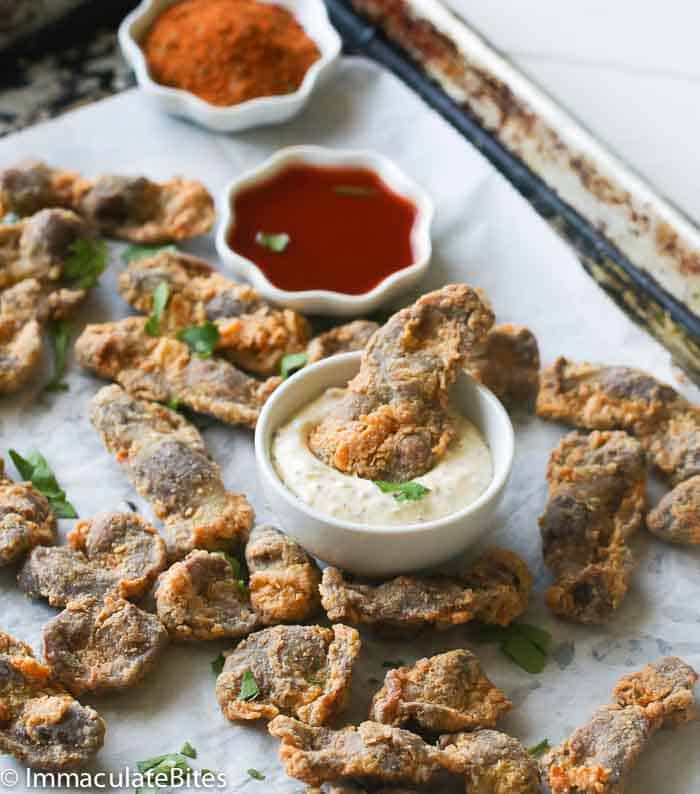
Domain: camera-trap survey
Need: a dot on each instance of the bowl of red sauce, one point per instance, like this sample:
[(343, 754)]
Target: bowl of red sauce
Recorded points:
[(325, 231)]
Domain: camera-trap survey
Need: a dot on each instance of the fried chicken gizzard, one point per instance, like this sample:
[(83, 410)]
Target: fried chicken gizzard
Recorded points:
[(128, 208), (392, 424)]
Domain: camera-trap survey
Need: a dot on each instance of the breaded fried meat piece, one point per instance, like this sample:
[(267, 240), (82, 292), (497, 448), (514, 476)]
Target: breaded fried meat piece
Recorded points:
[(509, 364), (348, 338), (392, 424), (162, 369), (26, 519), (284, 579), (103, 646), (199, 598), (252, 334), (597, 757), (602, 397), (676, 519), (495, 589), (128, 208), (167, 462), (301, 671), (370, 751), (597, 496), (447, 692), (41, 725)]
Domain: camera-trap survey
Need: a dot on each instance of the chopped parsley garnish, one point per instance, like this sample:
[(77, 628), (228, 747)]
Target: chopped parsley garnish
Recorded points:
[(9, 217), (174, 403), (256, 775), (523, 643), (86, 262), (36, 469), (201, 339), (389, 664), (188, 750), (239, 571), (60, 341), (540, 749), (160, 300), (353, 190), (293, 362), (217, 665), (273, 242), (249, 687), (403, 491), (132, 253)]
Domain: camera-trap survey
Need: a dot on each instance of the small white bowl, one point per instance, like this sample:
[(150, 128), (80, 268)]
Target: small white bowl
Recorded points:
[(317, 301), (390, 550), (258, 112)]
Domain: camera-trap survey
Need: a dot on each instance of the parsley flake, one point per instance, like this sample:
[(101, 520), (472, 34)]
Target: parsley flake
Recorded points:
[(523, 643), (540, 749), (133, 253), (403, 491), (36, 469), (256, 775), (61, 333), (188, 750), (201, 339), (273, 242), (85, 263), (160, 300), (217, 665), (293, 362), (249, 687)]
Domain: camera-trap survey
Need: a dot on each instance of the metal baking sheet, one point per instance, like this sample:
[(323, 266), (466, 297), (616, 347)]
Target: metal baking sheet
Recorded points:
[(485, 233)]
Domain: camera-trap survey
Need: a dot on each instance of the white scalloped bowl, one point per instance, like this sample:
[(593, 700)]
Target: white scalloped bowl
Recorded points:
[(318, 301), (258, 112)]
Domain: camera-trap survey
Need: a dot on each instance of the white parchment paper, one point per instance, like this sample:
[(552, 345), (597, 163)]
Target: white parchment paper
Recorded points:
[(485, 234)]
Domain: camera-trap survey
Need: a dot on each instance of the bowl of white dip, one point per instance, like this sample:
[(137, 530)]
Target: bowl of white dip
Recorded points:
[(351, 522)]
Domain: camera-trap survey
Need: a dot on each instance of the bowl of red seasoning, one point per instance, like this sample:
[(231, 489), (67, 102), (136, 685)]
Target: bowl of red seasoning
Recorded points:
[(230, 65), (324, 231)]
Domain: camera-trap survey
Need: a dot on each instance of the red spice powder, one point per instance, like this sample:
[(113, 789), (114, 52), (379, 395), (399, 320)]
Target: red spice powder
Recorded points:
[(227, 51)]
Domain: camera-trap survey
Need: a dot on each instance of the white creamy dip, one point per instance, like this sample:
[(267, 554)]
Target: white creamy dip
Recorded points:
[(459, 478)]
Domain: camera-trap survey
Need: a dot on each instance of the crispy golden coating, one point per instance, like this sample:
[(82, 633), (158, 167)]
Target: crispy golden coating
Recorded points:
[(447, 692), (676, 519), (125, 544), (495, 589), (200, 599), (301, 671), (253, 335), (347, 338), (41, 725), (102, 646), (370, 751), (609, 398), (492, 763), (597, 757), (166, 460), (128, 208), (284, 579), (392, 423), (26, 519), (115, 553), (597, 496), (509, 364), (162, 369)]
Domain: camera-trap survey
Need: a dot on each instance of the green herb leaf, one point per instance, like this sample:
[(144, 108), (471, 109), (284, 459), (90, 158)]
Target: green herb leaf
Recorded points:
[(86, 262), (403, 491), (541, 638), (217, 665), (36, 469), (188, 750), (160, 300), (239, 572), (540, 749), (353, 190), (132, 253), (314, 682), (273, 242), (174, 403), (293, 362), (61, 333), (256, 775), (10, 217), (249, 687), (389, 664), (150, 763), (524, 653), (202, 339)]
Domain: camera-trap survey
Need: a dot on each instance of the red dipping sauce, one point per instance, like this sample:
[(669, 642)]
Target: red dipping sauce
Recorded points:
[(347, 229)]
